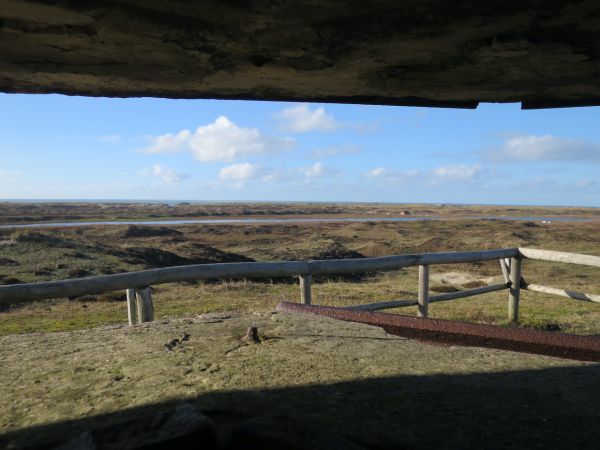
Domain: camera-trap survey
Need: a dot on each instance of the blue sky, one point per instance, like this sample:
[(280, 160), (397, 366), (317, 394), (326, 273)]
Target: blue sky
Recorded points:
[(60, 147)]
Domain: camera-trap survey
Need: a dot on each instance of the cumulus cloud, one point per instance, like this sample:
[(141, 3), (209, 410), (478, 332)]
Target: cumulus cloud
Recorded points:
[(319, 170), (334, 151), (246, 171), (9, 176), (169, 143), (377, 172), (544, 148), (241, 173), (301, 119), (165, 175), (386, 176), (220, 141), (456, 172)]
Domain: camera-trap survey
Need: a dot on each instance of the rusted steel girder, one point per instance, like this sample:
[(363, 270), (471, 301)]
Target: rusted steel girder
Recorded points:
[(569, 346)]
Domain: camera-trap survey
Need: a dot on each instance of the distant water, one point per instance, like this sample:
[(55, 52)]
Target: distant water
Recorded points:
[(536, 218), (174, 202), (293, 220)]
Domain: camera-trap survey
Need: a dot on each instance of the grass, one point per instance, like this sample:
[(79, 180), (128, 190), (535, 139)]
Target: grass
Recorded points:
[(538, 311), (28, 256)]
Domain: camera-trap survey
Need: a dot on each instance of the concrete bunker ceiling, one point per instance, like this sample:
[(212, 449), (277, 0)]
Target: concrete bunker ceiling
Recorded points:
[(413, 52)]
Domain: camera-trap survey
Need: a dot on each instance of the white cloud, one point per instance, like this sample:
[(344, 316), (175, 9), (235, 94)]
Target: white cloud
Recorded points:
[(392, 175), (319, 170), (166, 175), (377, 172), (221, 140), (9, 176), (114, 138), (386, 177), (391, 178), (316, 170), (246, 171), (333, 151), (301, 119), (169, 143), (456, 172), (241, 173), (544, 148)]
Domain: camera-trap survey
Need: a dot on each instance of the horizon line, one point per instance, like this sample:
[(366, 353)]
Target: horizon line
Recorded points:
[(170, 202)]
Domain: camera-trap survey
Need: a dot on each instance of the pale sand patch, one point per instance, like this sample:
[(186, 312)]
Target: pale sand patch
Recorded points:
[(460, 278)]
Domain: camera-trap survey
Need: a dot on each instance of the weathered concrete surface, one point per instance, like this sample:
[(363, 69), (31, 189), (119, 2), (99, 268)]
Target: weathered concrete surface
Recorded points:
[(439, 52), (378, 390), (183, 427)]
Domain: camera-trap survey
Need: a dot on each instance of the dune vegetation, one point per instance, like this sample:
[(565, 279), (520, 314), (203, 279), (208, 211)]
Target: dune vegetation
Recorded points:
[(29, 255)]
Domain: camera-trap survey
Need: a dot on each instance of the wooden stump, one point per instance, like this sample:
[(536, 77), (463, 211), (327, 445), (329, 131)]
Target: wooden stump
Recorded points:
[(145, 308)]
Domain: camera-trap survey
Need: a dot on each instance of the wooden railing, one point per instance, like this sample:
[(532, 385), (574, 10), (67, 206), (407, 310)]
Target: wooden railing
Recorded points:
[(561, 257), (139, 298)]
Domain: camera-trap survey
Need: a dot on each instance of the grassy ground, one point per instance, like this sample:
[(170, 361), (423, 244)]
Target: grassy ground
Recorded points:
[(27, 256), (537, 310)]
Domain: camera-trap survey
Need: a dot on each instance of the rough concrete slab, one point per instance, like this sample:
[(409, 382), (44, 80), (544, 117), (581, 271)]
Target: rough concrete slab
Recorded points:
[(434, 53), (372, 387)]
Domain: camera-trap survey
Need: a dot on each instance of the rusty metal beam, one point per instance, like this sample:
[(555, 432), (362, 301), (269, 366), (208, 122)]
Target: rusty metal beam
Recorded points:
[(582, 348)]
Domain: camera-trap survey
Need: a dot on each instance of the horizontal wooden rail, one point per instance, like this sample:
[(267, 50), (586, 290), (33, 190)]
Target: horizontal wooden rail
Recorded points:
[(562, 257), (468, 293), (96, 285), (106, 283), (383, 305), (562, 293), (334, 266), (139, 294), (431, 299)]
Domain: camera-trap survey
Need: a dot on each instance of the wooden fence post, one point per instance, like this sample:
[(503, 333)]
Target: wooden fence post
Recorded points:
[(131, 307), (514, 291), (145, 308), (305, 289), (423, 299), (505, 270)]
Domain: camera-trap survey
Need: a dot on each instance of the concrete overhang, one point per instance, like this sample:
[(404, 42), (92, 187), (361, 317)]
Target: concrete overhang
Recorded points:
[(390, 52)]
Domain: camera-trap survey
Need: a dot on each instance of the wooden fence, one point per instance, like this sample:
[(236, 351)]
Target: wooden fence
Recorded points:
[(139, 297)]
